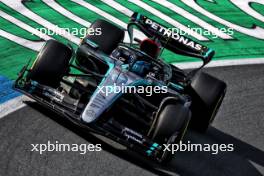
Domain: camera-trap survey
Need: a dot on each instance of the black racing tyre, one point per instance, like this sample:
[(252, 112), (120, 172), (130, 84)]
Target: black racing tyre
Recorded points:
[(51, 64), (111, 35), (172, 122), (207, 94)]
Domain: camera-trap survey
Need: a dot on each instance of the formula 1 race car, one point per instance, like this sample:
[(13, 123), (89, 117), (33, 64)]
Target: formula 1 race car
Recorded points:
[(107, 85)]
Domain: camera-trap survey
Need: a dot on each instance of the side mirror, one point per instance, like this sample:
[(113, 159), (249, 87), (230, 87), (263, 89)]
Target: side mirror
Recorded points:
[(130, 33)]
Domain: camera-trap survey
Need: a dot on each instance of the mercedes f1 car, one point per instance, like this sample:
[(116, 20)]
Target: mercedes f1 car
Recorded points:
[(70, 83)]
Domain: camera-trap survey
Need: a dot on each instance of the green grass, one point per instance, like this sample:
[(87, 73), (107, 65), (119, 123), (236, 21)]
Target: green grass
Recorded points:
[(13, 56)]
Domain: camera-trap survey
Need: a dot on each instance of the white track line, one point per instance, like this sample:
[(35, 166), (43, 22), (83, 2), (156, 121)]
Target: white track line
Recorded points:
[(118, 7), (79, 20), (36, 46), (257, 32), (66, 13), (24, 26), (167, 19), (106, 15), (100, 12), (20, 8), (221, 63), (11, 106), (193, 18), (246, 7)]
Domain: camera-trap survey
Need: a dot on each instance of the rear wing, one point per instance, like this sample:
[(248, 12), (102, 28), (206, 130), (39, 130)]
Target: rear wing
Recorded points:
[(169, 39)]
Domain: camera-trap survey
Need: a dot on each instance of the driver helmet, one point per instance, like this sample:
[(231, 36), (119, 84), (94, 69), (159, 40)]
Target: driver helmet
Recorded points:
[(150, 47)]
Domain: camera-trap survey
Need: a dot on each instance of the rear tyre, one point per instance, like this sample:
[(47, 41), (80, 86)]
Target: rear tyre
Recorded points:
[(207, 94), (51, 64)]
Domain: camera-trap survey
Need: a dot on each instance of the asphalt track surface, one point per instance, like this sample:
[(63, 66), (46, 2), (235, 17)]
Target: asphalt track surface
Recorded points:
[(239, 122)]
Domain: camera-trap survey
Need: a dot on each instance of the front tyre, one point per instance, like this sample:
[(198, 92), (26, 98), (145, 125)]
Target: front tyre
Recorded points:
[(172, 122), (51, 64)]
